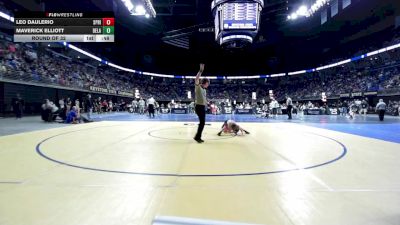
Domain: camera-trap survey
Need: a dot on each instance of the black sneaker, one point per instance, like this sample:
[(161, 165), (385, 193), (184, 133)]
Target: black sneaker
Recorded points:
[(198, 140)]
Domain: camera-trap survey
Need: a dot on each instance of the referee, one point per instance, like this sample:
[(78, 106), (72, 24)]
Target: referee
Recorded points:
[(150, 104), (289, 108), (201, 102), (381, 108)]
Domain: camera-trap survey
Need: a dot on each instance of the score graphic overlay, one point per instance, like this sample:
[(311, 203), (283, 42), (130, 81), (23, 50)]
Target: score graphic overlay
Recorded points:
[(64, 27)]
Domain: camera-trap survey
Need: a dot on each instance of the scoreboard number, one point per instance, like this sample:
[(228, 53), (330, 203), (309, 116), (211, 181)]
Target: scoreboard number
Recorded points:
[(108, 30), (108, 21)]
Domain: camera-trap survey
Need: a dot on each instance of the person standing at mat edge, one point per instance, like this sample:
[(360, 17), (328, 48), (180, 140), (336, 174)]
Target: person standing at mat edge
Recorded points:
[(289, 104), (381, 108), (18, 106), (89, 106), (150, 104), (201, 102)]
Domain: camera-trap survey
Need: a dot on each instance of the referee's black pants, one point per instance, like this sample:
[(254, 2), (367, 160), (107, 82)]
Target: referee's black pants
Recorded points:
[(201, 113), (289, 111), (381, 115), (151, 110)]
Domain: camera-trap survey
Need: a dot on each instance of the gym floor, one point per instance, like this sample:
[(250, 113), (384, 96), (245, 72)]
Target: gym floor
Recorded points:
[(128, 169)]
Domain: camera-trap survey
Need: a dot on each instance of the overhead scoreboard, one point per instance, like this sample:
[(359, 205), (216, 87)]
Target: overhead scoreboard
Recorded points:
[(240, 15), (64, 27), (236, 21)]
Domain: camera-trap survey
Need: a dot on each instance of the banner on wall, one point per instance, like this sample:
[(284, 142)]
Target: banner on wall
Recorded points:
[(99, 89), (358, 94), (370, 93), (110, 91), (126, 94), (346, 95)]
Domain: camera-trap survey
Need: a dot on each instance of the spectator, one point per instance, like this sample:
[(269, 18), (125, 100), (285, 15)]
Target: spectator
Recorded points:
[(142, 104), (89, 106), (18, 105), (72, 116)]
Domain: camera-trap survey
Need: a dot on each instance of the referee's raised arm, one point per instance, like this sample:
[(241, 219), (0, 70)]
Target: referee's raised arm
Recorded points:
[(197, 80)]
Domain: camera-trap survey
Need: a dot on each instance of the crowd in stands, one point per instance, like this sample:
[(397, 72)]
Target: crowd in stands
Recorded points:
[(393, 108), (79, 110), (41, 64)]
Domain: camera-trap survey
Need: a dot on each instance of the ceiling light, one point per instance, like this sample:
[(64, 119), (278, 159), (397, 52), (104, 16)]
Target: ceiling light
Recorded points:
[(150, 8), (140, 10), (302, 11), (307, 12), (128, 4)]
